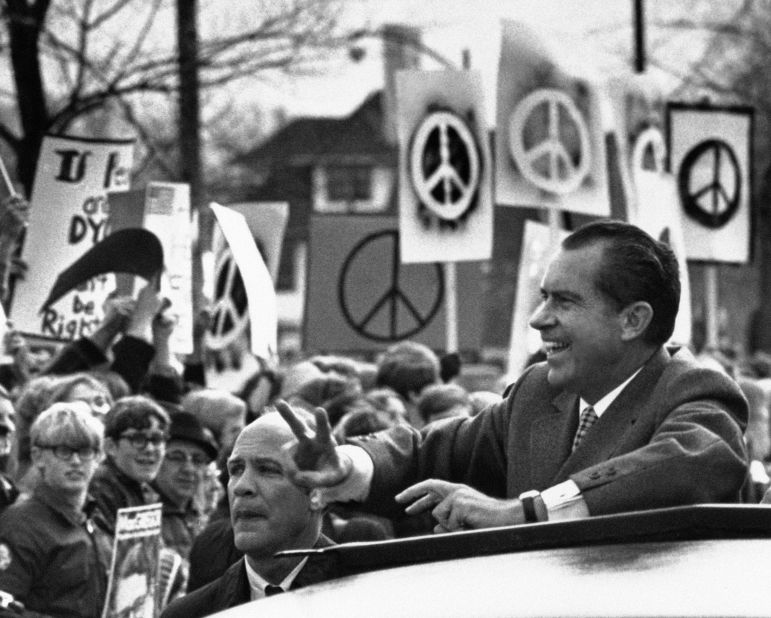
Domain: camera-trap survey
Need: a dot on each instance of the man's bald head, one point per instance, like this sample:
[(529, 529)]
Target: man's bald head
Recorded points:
[(268, 511)]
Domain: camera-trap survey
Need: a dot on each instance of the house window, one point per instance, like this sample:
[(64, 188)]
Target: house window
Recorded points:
[(347, 183)]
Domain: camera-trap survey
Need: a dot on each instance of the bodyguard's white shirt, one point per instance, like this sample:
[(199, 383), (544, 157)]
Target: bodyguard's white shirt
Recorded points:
[(257, 582)]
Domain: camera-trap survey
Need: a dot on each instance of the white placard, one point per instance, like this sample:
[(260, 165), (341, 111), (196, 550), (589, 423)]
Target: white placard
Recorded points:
[(550, 142), (267, 222), (638, 106), (711, 159), (68, 216), (445, 206), (658, 213), (260, 293), (167, 215)]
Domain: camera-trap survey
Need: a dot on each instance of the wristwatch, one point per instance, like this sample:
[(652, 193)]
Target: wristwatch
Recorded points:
[(534, 507)]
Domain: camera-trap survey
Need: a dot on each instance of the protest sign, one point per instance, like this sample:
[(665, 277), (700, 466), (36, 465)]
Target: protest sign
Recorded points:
[(549, 147), (445, 203), (164, 209), (68, 216), (362, 297), (638, 105), (267, 223), (133, 250), (243, 289), (650, 191), (710, 152), (134, 587)]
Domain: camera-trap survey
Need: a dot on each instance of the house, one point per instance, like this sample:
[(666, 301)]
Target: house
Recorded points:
[(328, 165)]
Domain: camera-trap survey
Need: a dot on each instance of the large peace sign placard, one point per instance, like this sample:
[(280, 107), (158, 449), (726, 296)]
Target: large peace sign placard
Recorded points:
[(547, 160), (243, 287), (362, 297), (445, 207), (710, 183), (394, 314), (229, 307), (550, 146), (639, 163), (649, 152), (710, 155), (445, 166)]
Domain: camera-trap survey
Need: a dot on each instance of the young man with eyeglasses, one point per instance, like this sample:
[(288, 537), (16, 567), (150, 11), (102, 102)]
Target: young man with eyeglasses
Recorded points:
[(188, 452), (52, 558), (136, 430)]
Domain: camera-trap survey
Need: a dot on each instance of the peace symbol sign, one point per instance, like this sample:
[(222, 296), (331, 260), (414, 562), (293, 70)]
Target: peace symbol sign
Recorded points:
[(445, 165), (649, 151), (230, 314), (537, 129), (393, 316), (709, 182)]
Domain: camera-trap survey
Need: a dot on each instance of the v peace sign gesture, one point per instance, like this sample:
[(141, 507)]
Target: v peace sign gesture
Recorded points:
[(314, 459)]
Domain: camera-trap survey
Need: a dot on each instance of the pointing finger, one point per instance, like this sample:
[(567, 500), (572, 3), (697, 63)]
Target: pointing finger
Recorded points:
[(430, 486), (422, 504)]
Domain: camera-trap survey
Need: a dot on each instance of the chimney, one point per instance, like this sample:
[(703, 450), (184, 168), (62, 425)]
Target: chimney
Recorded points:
[(401, 50)]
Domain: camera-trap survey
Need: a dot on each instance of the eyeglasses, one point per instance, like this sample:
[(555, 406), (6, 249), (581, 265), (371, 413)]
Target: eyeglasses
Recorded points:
[(140, 440), (181, 457), (65, 453)]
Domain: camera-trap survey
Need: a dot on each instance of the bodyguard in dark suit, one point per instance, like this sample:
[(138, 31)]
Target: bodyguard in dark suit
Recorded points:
[(612, 421), (269, 514)]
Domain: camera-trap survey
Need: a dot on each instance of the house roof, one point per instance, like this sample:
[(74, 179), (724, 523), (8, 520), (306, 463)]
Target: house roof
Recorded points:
[(311, 140)]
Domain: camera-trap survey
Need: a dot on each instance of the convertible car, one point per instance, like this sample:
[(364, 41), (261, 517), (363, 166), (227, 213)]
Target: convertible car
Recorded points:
[(705, 560)]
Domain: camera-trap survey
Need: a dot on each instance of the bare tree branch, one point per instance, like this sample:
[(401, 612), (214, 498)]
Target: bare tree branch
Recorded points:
[(90, 58)]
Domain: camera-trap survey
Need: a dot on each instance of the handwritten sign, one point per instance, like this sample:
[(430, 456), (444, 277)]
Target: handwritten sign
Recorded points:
[(68, 215)]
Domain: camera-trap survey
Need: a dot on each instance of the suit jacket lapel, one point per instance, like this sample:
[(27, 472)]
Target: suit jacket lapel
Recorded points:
[(235, 588), (607, 434), (551, 439), (317, 569)]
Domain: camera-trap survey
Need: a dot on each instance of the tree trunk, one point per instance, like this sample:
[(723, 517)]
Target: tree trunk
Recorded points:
[(25, 23)]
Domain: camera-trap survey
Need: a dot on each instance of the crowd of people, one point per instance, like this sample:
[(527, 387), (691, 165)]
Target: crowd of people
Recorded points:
[(109, 423), (332, 449)]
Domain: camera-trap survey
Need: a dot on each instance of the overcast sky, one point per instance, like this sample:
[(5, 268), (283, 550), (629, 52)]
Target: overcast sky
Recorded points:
[(449, 26), (595, 31)]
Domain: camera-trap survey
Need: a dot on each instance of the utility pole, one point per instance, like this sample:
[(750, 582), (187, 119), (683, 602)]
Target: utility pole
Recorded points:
[(639, 36), (190, 167)]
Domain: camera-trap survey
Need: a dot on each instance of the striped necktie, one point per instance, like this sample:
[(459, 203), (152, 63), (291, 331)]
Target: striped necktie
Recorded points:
[(588, 418)]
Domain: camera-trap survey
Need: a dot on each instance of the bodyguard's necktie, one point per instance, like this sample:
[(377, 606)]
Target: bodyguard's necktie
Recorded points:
[(271, 589), (588, 418)]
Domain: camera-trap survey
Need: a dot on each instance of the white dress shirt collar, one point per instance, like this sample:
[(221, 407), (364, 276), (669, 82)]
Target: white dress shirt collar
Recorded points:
[(257, 582)]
